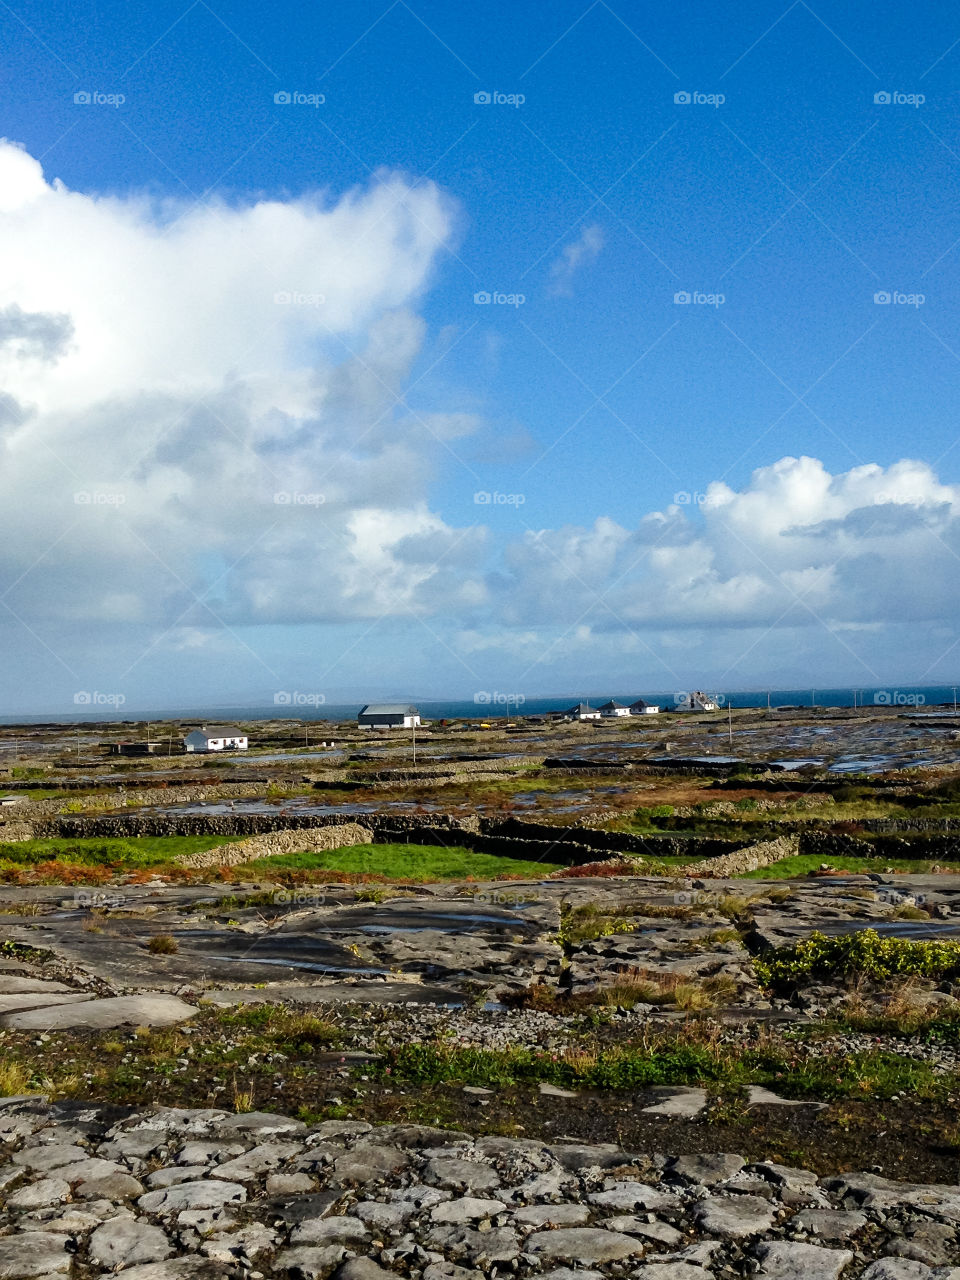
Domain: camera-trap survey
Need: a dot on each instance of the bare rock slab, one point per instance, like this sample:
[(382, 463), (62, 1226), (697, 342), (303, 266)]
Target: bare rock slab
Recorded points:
[(784, 1260), (33, 1253), (588, 1245), (683, 1104), (122, 1242), (734, 1217), (15, 984), (101, 1015), (757, 1096), (11, 1004)]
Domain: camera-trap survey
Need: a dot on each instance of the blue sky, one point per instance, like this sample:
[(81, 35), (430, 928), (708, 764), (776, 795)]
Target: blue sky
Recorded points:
[(758, 488)]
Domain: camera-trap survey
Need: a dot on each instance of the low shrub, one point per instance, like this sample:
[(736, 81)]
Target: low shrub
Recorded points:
[(862, 953)]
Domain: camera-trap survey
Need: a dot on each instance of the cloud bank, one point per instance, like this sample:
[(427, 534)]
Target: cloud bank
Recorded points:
[(204, 421)]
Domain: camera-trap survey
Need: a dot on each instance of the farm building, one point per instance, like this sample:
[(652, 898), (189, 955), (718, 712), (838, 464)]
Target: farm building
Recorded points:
[(388, 715), (218, 737)]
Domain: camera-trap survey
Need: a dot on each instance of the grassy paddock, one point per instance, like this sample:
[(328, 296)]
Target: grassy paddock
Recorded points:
[(50, 859), (804, 864), (401, 862)]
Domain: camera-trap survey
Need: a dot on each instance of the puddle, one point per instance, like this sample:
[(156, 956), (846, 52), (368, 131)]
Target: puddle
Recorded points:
[(862, 764), (290, 757), (308, 966), (387, 920), (796, 764), (686, 760), (288, 950)]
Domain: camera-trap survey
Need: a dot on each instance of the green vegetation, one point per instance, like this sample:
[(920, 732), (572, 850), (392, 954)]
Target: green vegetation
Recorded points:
[(402, 862), (863, 953), (664, 1062), (805, 864), (116, 855), (584, 924), (163, 944)]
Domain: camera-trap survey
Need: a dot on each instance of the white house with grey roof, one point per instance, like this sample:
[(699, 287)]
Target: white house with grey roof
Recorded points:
[(388, 715), (217, 737), (582, 711), (641, 708), (610, 709)]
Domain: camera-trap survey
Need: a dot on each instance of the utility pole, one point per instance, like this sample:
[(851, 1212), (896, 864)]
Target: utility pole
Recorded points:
[(413, 726), (730, 724), (954, 687), (813, 697)]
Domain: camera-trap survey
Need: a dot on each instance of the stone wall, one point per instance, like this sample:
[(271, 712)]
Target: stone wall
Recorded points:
[(752, 858), (509, 837), (832, 844), (652, 846), (276, 843)]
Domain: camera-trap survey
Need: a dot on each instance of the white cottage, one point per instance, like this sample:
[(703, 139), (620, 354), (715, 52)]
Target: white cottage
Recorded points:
[(641, 708), (218, 737), (582, 711), (610, 709)]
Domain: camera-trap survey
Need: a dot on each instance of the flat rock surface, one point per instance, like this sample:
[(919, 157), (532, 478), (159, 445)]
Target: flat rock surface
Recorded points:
[(463, 1207), (115, 1011)]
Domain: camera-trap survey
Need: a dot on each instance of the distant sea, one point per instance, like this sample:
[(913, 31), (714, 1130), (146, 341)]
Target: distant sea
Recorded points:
[(502, 706)]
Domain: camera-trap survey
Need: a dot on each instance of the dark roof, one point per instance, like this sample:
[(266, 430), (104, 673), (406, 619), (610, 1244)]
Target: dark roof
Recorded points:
[(640, 703), (612, 705), (221, 731), (580, 708), (388, 709)]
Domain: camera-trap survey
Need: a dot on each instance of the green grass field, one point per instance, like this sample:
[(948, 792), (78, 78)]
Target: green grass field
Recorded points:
[(802, 865), (121, 854), (403, 862)]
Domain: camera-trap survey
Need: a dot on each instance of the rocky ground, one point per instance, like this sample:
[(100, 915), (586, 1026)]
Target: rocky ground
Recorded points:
[(449, 1081), (456, 941), (160, 1193)]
